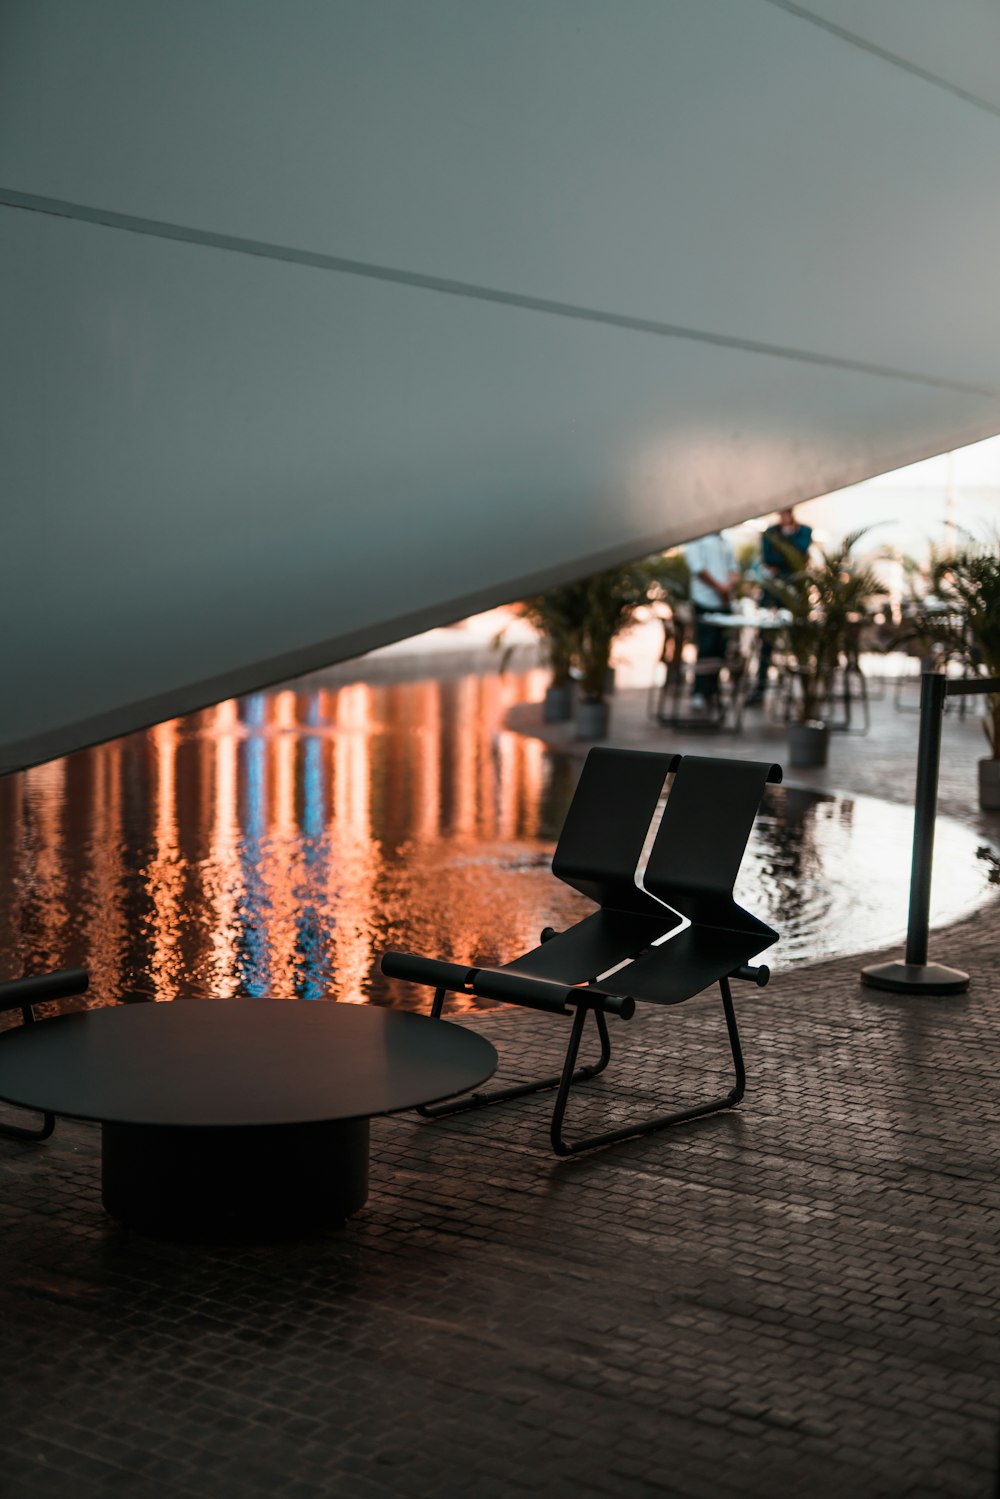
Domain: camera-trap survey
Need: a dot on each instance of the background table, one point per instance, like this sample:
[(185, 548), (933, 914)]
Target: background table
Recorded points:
[(760, 619), (237, 1118), (681, 676)]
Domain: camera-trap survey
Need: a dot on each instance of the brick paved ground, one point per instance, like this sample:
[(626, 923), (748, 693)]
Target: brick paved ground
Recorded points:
[(799, 1297)]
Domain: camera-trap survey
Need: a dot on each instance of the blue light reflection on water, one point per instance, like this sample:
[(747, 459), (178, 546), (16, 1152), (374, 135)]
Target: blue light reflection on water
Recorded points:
[(310, 925), (279, 845), (255, 903)]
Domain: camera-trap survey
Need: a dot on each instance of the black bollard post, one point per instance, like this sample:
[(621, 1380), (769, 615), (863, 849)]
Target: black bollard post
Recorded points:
[(932, 688), (915, 975)]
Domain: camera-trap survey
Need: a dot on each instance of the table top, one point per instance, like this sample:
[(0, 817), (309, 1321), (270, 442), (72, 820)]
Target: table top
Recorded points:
[(238, 1062), (763, 619)]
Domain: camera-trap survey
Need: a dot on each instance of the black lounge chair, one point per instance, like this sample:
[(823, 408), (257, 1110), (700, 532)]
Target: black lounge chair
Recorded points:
[(21, 994), (663, 941)]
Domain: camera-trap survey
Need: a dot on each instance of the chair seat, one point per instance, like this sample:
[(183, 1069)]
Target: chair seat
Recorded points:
[(687, 964), (594, 945)]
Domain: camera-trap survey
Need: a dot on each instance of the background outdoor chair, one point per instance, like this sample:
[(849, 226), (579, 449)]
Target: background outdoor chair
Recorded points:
[(668, 701), (663, 941), (21, 994)]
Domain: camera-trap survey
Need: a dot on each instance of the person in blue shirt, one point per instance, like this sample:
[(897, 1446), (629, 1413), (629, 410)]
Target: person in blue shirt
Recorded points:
[(776, 562), (714, 575)]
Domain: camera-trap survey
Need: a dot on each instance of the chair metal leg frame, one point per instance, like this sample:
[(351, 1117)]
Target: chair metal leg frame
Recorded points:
[(521, 1090), (21, 1132), (847, 698), (564, 1147), (48, 1124)]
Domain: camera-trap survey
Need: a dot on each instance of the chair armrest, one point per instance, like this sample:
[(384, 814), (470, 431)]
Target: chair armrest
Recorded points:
[(520, 989), (32, 990), (622, 1005), (435, 973), (543, 994), (750, 975)]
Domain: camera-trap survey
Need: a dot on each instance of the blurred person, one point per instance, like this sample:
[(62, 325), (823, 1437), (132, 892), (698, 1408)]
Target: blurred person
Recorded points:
[(714, 575), (777, 562)]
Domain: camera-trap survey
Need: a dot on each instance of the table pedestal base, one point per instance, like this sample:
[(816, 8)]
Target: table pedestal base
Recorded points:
[(234, 1184)]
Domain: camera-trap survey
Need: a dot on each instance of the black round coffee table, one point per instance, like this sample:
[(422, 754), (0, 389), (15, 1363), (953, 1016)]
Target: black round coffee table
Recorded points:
[(237, 1118)]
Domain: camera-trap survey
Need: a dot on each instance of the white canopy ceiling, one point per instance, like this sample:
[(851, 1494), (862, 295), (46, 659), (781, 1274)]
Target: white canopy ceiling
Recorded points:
[(323, 323)]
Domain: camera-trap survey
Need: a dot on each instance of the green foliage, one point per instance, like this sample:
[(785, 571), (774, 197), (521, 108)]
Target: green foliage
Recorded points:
[(579, 621), (968, 627), (748, 565), (671, 572), (612, 598), (558, 616), (826, 598)]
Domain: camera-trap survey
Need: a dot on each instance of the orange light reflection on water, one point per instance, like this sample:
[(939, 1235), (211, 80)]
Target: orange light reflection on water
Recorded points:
[(221, 879), (426, 762), (279, 843), (355, 865), (42, 810), (106, 875), (165, 874), (279, 858)]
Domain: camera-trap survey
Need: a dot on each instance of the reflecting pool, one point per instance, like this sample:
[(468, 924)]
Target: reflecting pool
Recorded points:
[(279, 843)]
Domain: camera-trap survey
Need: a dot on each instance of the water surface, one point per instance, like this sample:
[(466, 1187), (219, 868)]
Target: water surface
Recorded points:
[(279, 843)]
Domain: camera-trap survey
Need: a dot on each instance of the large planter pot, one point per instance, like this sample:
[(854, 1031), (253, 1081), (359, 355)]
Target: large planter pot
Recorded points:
[(558, 704), (989, 785), (607, 684), (808, 744), (591, 719)]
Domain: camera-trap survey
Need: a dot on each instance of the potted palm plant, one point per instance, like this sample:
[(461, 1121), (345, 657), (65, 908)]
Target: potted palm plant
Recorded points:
[(671, 572), (610, 601), (826, 600), (966, 625), (558, 617)]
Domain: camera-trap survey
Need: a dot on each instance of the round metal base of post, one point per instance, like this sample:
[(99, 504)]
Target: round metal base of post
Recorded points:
[(915, 978), (234, 1185)]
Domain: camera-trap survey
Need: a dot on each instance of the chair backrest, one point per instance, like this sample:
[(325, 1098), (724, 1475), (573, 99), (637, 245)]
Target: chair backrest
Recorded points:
[(703, 835), (606, 826)]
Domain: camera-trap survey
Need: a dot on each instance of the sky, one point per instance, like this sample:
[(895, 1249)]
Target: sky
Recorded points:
[(910, 508)]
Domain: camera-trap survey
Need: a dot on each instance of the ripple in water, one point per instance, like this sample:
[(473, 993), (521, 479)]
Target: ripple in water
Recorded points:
[(831, 872)]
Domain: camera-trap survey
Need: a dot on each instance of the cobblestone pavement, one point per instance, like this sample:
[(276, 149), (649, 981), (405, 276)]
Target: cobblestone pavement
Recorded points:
[(799, 1297)]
